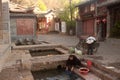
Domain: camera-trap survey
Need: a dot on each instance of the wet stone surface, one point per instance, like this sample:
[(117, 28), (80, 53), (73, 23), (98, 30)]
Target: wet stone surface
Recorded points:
[(95, 57), (116, 65)]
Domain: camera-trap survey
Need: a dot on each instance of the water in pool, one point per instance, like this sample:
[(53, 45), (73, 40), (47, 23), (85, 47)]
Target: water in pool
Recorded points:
[(35, 53), (53, 75)]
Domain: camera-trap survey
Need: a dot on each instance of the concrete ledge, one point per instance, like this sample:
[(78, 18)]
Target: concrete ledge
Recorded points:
[(113, 72), (101, 71), (48, 62), (4, 53), (25, 47), (27, 75), (62, 50), (89, 76)]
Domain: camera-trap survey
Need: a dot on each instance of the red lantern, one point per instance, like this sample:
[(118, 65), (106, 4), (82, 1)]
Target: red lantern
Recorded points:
[(97, 20), (104, 20)]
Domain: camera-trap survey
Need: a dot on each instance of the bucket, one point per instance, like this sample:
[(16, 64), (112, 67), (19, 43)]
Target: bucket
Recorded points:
[(84, 70), (89, 63)]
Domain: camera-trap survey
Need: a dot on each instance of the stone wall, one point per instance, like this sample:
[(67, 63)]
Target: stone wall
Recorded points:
[(48, 62), (22, 26), (4, 32), (6, 22)]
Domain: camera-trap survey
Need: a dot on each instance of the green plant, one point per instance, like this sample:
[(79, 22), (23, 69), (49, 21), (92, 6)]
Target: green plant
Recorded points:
[(41, 5), (71, 26), (71, 50), (68, 14), (115, 30)]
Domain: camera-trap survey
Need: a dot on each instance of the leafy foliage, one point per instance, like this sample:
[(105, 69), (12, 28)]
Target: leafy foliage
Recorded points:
[(115, 30), (66, 14), (41, 5)]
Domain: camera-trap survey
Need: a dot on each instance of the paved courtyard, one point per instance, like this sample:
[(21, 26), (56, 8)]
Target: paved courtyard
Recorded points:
[(109, 49), (59, 39)]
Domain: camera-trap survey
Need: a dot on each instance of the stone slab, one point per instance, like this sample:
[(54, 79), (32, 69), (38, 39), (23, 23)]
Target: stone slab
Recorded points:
[(89, 76)]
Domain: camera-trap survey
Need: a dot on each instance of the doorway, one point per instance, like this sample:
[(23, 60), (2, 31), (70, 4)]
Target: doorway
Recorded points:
[(102, 29)]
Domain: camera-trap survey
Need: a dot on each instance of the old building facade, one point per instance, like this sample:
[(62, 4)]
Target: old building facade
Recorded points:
[(87, 17), (101, 20), (98, 17), (23, 22), (113, 15)]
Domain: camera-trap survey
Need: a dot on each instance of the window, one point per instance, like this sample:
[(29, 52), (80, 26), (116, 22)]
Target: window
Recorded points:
[(82, 9), (92, 7), (86, 9)]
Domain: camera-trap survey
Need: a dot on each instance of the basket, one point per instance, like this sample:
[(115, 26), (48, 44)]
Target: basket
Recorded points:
[(84, 70)]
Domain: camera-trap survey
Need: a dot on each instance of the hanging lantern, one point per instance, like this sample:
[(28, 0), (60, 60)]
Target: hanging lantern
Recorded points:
[(104, 20), (97, 20)]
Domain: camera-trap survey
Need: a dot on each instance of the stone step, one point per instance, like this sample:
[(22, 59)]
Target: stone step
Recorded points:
[(62, 50), (102, 72), (26, 75), (26, 47), (89, 76), (108, 69)]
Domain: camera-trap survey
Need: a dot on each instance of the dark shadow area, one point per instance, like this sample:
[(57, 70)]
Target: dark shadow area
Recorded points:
[(47, 52), (29, 42), (53, 74)]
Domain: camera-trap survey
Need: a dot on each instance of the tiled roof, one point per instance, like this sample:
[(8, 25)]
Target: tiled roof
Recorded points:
[(108, 2), (85, 2), (44, 13), (18, 8), (19, 15)]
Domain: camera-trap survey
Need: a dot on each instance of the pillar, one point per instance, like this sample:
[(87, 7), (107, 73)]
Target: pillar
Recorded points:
[(1, 36)]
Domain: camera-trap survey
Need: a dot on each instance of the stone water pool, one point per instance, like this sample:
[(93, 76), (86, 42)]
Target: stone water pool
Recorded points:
[(32, 42), (44, 52), (52, 75)]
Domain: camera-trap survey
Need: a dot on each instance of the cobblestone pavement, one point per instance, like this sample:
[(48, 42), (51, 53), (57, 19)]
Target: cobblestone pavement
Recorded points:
[(109, 49), (10, 74), (59, 39)]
